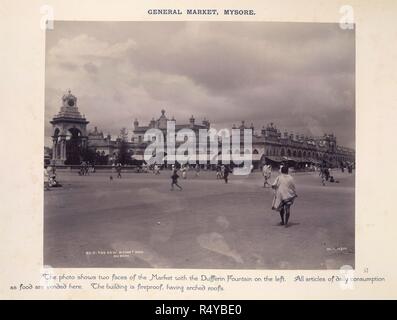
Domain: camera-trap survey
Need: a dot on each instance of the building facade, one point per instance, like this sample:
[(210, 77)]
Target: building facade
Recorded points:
[(273, 146), (161, 124), (269, 145)]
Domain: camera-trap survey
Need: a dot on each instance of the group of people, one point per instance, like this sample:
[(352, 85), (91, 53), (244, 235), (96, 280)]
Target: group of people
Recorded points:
[(86, 168), (222, 172), (348, 166), (326, 176), (185, 168)]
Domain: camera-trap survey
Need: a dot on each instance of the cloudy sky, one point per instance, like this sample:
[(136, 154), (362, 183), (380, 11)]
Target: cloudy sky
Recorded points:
[(300, 76)]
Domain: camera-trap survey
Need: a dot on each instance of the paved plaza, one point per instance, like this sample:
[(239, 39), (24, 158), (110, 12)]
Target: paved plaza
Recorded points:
[(137, 222)]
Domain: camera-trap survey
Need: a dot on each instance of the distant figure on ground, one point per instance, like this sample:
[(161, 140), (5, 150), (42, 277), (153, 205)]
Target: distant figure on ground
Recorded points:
[(81, 171), (267, 172), (222, 171), (284, 195), (112, 171), (118, 169), (87, 168), (350, 168), (218, 172), (327, 173), (46, 180), (184, 172), (197, 170), (226, 172), (174, 180), (52, 177), (324, 174)]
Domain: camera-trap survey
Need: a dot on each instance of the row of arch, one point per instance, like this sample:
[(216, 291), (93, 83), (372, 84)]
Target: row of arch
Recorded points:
[(282, 152), (288, 153)]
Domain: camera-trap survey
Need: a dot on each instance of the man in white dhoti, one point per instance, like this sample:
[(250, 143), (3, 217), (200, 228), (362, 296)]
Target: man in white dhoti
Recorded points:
[(284, 195)]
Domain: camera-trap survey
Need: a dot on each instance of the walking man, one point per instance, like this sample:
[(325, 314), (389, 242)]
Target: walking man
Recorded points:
[(284, 195), (226, 174), (174, 180)]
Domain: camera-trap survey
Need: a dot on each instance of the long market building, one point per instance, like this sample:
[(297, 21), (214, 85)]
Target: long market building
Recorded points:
[(269, 144)]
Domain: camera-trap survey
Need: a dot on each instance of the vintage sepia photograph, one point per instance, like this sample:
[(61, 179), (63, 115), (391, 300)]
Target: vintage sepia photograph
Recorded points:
[(199, 145)]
